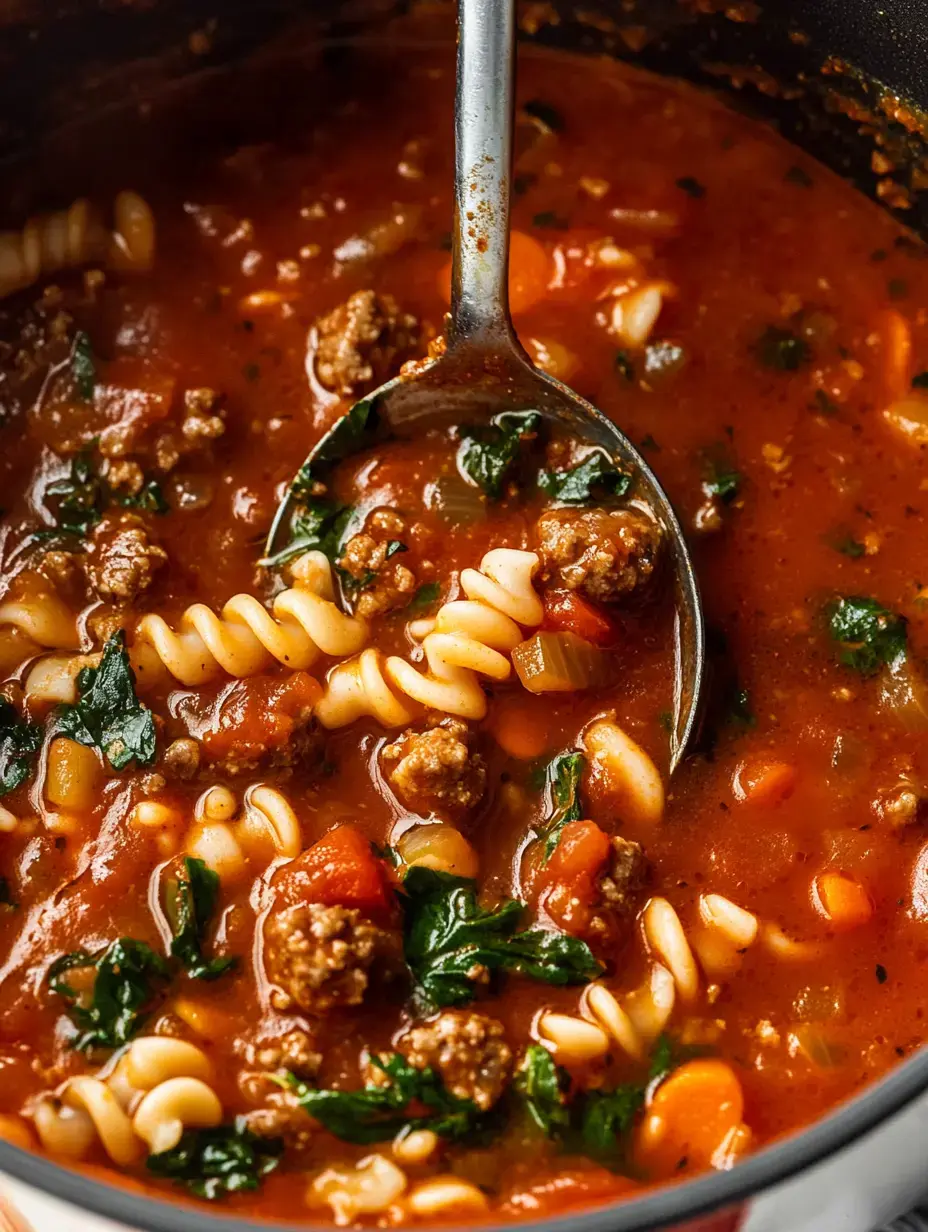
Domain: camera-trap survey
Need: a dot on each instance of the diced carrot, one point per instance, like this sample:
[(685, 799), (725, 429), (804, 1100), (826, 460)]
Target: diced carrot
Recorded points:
[(339, 870), (565, 609), (758, 781), (691, 1117), (529, 273), (842, 900), (520, 728), (582, 851), (897, 353)]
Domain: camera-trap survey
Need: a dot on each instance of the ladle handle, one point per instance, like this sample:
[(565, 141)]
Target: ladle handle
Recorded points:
[(482, 158)]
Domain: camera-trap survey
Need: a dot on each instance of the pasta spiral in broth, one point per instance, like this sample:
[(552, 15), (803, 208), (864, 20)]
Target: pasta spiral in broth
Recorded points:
[(466, 639), (244, 638)]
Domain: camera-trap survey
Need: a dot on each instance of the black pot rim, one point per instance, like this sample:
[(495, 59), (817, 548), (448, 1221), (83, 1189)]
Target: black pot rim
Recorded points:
[(661, 1208)]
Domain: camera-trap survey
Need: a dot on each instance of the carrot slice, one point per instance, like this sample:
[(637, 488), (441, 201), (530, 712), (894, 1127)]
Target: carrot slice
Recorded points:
[(565, 609), (691, 1117), (763, 782), (520, 728), (842, 900), (339, 870), (529, 273)]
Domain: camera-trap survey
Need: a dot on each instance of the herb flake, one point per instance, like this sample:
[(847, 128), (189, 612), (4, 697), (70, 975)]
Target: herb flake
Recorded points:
[(124, 975), (190, 900), (868, 635), (212, 1163)]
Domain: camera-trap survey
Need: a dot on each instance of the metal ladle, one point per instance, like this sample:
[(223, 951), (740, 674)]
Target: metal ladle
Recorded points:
[(484, 370)]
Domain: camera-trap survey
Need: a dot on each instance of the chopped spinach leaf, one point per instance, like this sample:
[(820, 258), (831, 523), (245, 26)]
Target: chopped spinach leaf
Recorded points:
[(124, 973), (451, 941), (799, 176), (606, 1116), (82, 497), (486, 453), (543, 1085), (722, 481), (739, 709), (868, 635), (215, 1162), (83, 368), (355, 430), (562, 791), (549, 219), (782, 349), (108, 715), (190, 900), (19, 743), (590, 480), (624, 365), (549, 116), (847, 545), (379, 1111), (427, 594), (691, 186), (317, 526)]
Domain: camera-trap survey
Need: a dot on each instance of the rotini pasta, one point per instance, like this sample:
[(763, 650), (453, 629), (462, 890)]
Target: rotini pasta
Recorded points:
[(466, 639), (368, 1187), (245, 638), (87, 1110), (173, 1106), (67, 239), (43, 620)]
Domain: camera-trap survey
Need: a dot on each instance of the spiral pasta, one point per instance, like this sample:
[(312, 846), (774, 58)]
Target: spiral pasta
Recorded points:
[(268, 827), (245, 638), (467, 638), (39, 620), (66, 239)]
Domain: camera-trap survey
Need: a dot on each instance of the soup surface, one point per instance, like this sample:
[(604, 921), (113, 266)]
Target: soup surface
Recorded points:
[(364, 894)]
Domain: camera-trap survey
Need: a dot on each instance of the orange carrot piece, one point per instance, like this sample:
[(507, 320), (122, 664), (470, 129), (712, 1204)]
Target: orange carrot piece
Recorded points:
[(763, 782), (529, 273), (691, 1116), (842, 900), (520, 729)]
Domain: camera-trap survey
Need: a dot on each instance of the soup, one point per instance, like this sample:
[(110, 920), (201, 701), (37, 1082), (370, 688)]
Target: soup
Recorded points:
[(348, 882)]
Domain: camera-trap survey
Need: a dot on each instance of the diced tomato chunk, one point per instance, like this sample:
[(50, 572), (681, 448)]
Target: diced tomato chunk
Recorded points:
[(339, 870), (566, 887), (565, 609)]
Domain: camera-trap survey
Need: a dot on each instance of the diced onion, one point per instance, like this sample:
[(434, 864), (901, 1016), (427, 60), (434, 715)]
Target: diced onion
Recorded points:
[(455, 501), (558, 663)]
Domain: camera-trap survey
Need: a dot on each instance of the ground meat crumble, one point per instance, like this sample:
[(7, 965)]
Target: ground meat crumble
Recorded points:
[(373, 559), (123, 560), (320, 957), (604, 554), (467, 1050), (436, 771), (363, 342)]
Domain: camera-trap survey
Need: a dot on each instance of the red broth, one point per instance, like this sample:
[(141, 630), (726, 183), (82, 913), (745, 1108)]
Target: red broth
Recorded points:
[(776, 392)]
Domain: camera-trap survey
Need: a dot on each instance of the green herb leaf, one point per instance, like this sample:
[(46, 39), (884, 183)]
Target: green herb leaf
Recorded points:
[(190, 901), (427, 594), (589, 481), (317, 526), (83, 368), (691, 186), (82, 498), (606, 1116), (739, 712), (19, 743), (868, 634), (543, 1085), (149, 498), (486, 453), (378, 1112), (450, 941), (355, 430), (214, 1162), (722, 481), (782, 349), (108, 715), (122, 987), (562, 791), (847, 545)]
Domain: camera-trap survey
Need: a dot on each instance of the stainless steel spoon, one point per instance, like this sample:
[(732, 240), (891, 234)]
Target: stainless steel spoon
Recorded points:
[(484, 370)]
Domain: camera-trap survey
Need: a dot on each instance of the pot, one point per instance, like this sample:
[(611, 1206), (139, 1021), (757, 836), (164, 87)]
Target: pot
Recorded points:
[(841, 78)]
